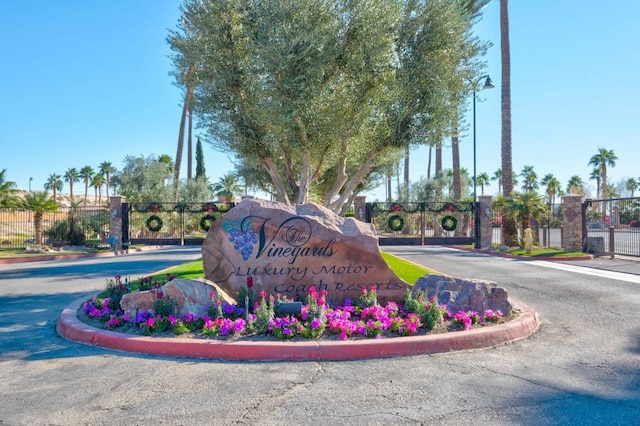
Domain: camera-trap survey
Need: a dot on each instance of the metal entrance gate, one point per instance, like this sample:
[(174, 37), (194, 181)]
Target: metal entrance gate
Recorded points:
[(424, 223), (169, 223), (612, 226)]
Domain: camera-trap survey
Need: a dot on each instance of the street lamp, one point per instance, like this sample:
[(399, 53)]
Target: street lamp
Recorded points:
[(30, 179), (488, 84)]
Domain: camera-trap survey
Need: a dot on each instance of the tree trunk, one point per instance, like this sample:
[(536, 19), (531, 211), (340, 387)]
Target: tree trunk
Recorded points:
[(455, 154), (438, 154), (178, 163), (405, 189), (37, 224), (509, 232), (305, 177), (278, 185), (190, 144), (429, 163)]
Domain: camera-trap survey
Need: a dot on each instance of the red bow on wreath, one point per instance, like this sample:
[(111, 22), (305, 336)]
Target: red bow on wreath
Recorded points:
[(155, 208)]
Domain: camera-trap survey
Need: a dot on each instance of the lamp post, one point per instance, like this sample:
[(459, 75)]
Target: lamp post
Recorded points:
[(30, 179), (488, 84)]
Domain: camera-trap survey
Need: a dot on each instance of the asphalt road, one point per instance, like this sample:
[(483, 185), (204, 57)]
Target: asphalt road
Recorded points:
[(582, 367)]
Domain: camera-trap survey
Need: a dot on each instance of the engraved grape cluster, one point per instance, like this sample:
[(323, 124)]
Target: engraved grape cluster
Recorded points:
[(243, 242)]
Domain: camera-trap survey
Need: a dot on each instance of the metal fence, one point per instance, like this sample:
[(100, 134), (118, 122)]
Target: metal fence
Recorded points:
[(423, 222), (88, 226), (170, 223), (613, 226), (547, 229)]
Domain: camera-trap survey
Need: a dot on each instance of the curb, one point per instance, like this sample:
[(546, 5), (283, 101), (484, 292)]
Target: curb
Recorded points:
[(525, 258), (71, 328), (9, 260)]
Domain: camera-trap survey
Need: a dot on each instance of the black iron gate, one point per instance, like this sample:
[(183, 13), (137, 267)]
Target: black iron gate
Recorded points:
[(612, 226), (169, 223), (423, 223)]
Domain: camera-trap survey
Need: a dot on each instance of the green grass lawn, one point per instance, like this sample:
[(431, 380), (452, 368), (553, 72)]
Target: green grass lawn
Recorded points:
[(407, 271), (544, 252)]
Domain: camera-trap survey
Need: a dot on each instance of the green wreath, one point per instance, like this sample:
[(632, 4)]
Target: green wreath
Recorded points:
[(449, 223), (154, 223), (206, 221), (395, 223)]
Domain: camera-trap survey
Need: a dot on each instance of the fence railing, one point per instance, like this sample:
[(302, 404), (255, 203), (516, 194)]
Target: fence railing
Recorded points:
[(421, 219), (148, 222), (547, 229), (20, 228), (613, 226)]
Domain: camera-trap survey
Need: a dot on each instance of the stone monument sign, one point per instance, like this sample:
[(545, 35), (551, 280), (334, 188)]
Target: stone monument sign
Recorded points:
[(286, 249)]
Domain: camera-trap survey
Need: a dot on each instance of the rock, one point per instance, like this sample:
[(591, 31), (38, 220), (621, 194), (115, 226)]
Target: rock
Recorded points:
[(189, 296), (464, 294), (287, 249)]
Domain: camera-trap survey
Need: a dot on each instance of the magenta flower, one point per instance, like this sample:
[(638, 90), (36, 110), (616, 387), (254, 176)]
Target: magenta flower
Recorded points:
[(315, 323)]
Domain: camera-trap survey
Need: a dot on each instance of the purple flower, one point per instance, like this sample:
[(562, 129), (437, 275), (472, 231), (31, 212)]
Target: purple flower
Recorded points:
[(315, 323)]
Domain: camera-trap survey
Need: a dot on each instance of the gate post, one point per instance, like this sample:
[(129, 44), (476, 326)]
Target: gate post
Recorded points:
[(572, 222), (485, 204), (115, 219), (359, 207)]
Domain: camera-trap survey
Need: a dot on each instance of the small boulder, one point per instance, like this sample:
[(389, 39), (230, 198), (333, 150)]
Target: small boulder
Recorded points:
[(464, 294), (189, 296)]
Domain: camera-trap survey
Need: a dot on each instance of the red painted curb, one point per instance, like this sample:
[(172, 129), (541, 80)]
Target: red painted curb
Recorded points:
[(71, 328)]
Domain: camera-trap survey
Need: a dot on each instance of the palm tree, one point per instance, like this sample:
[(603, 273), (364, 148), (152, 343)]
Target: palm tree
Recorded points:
[(96, 182), (8, 191), (597, 176), (497, 175), (632, 185), (168, 162), (530, 179), (575, 185), (227, 188), (482, 179), (86, 173), (525, 205), (601, 160), (71, 176), (553, 185), (107, 170), (509, 232), (54, 183), (39, 203)]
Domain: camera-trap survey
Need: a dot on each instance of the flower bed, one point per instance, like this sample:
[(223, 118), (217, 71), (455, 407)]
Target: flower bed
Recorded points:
[(261, 319)]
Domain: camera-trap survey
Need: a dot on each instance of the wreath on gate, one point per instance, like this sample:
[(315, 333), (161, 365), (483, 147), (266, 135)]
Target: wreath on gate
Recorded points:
[(154, 223), (395, 223), (449, 223), (206, 221)]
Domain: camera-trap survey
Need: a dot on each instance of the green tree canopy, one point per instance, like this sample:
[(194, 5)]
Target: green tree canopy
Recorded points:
[(317, 92), (8, 191)]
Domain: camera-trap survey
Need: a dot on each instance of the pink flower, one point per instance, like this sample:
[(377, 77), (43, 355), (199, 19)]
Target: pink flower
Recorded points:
[(211, 295), (263, 294)]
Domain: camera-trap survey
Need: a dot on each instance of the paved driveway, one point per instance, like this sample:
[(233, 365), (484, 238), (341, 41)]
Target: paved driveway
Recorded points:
[(582, 367)]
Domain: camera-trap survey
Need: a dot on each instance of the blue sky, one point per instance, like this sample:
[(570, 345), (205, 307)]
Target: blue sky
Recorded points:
[(84, 82)]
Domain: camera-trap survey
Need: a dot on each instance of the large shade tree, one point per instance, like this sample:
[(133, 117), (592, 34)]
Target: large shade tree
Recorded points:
[(322, 91)]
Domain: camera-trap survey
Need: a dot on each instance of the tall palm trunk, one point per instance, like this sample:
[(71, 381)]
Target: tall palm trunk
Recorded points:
[(455, 155), (178, 162), (37, 224), (509, 232), (405, 189), (190, 145)]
